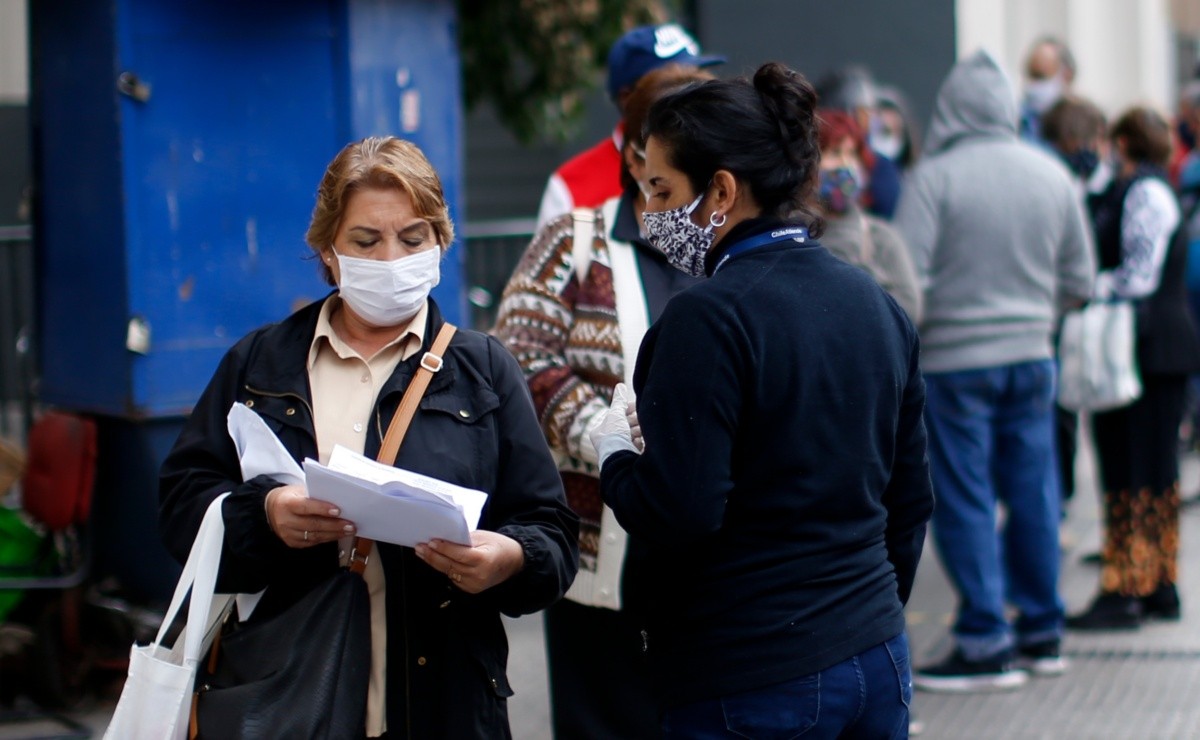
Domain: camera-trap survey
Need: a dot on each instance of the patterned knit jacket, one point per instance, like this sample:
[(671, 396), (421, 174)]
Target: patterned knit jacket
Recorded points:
[(575, 341)]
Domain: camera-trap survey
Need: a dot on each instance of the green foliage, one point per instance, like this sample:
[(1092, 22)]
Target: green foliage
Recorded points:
[(534, 60)]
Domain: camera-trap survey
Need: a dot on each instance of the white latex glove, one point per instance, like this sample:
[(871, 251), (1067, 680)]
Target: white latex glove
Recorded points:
[(610, 432)]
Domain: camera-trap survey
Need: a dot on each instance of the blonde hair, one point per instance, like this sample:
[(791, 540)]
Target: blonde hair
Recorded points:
[(377, 162)]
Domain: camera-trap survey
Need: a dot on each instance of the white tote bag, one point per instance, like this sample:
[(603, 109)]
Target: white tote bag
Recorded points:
[(156, 701), (1098, 358)]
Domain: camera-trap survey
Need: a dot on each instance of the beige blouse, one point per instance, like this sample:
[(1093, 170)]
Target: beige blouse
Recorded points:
[(344, 387)]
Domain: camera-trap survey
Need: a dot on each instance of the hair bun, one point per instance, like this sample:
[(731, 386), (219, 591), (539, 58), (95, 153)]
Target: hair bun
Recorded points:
[(792, 101)]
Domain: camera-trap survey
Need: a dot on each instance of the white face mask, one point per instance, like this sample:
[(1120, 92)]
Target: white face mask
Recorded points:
[(888, 144), (1041, 94), (388, 293)]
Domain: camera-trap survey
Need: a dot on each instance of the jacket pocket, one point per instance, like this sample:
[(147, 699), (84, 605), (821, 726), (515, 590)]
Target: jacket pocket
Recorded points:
[(279, 412), (497, 679), (458, 439), (469, 408)]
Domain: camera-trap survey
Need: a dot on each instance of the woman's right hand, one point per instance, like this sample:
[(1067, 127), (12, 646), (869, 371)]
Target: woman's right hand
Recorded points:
[(301, 521)]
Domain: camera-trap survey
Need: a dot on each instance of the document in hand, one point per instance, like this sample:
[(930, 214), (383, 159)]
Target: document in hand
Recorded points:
[(394, 505)]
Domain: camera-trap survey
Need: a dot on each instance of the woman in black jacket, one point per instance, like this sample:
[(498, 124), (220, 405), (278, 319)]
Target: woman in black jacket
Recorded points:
[(1143, 258), (334, 373), (778, 510)]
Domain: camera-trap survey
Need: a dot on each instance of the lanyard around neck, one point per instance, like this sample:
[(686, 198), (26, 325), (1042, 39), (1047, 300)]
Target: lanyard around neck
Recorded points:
[(790, 233)]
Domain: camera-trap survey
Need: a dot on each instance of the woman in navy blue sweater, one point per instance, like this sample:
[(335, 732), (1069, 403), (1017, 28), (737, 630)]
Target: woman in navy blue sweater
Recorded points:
[(778, 506)]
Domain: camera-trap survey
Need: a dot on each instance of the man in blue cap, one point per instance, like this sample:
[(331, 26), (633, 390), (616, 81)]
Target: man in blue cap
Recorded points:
[(594, 175)]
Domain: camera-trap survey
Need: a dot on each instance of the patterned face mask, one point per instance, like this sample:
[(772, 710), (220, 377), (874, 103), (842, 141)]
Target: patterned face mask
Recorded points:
[(681, 241), (839, 189)]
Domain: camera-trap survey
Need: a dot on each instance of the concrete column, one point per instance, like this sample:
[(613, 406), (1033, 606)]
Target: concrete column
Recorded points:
[(14, 53), (1123, 47)]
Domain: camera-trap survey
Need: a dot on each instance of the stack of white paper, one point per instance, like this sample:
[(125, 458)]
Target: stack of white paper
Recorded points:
[(393, 505)]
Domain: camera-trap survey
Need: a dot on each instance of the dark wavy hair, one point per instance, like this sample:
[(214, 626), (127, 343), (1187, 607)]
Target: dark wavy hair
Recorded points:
[(1147, 136), (763, 131)]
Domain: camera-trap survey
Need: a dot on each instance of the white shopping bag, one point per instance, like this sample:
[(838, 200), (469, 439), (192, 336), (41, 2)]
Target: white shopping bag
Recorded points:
[(157, 698), (1098, 358)]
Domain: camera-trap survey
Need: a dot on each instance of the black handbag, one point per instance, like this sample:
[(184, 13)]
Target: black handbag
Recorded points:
[(304, 672)]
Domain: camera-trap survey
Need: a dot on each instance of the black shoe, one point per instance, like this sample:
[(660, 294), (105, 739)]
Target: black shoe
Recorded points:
[(1162, 604), (956, 674), (1042, 658), (1109, 612)]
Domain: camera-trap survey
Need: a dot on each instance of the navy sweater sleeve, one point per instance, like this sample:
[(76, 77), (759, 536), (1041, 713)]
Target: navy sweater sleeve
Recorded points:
[(908, 497), (676, 491)]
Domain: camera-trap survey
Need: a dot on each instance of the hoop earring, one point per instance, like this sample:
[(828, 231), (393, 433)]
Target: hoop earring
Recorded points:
[(713, 222)]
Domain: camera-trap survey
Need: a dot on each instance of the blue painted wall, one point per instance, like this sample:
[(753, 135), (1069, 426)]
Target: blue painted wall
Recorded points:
[(187, 211)]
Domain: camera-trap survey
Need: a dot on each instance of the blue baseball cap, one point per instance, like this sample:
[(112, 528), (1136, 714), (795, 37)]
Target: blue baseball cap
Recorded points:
[(649, 47)]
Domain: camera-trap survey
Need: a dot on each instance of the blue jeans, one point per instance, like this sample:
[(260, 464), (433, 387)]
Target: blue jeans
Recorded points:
[(991, 439), (865, 697)]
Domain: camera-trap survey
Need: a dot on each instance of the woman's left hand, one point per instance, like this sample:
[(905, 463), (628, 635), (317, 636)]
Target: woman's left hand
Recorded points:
[(491, 558)]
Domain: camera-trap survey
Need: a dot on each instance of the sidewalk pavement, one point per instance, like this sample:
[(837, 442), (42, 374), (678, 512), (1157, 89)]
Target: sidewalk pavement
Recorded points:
[(1138, 685), (1141, 685)]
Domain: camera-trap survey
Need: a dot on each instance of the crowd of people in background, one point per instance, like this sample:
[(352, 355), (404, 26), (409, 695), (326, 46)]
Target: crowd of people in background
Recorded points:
[(1016, 206), (761, 328)]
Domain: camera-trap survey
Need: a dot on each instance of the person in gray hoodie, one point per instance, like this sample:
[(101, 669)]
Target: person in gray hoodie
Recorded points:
[(1000, 245)]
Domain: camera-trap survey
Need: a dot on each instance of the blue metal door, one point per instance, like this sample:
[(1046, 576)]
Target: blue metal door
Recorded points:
[(221, 163)]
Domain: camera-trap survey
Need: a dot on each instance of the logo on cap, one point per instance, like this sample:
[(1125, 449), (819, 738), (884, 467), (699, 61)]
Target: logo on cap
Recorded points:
[(670, 39)]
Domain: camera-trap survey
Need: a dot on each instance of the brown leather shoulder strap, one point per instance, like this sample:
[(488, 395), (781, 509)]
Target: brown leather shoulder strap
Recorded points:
[(431, 362)]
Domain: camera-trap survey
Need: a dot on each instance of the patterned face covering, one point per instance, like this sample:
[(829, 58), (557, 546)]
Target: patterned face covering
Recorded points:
[(681, 241), (839, 189)]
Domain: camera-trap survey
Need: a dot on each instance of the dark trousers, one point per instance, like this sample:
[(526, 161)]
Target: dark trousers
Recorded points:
[(1066, 430), (599, 687), (1138, 451)]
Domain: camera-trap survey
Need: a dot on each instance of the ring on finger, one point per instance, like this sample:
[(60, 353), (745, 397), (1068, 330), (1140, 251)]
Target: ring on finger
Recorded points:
[(306, 535), (456, 576)]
